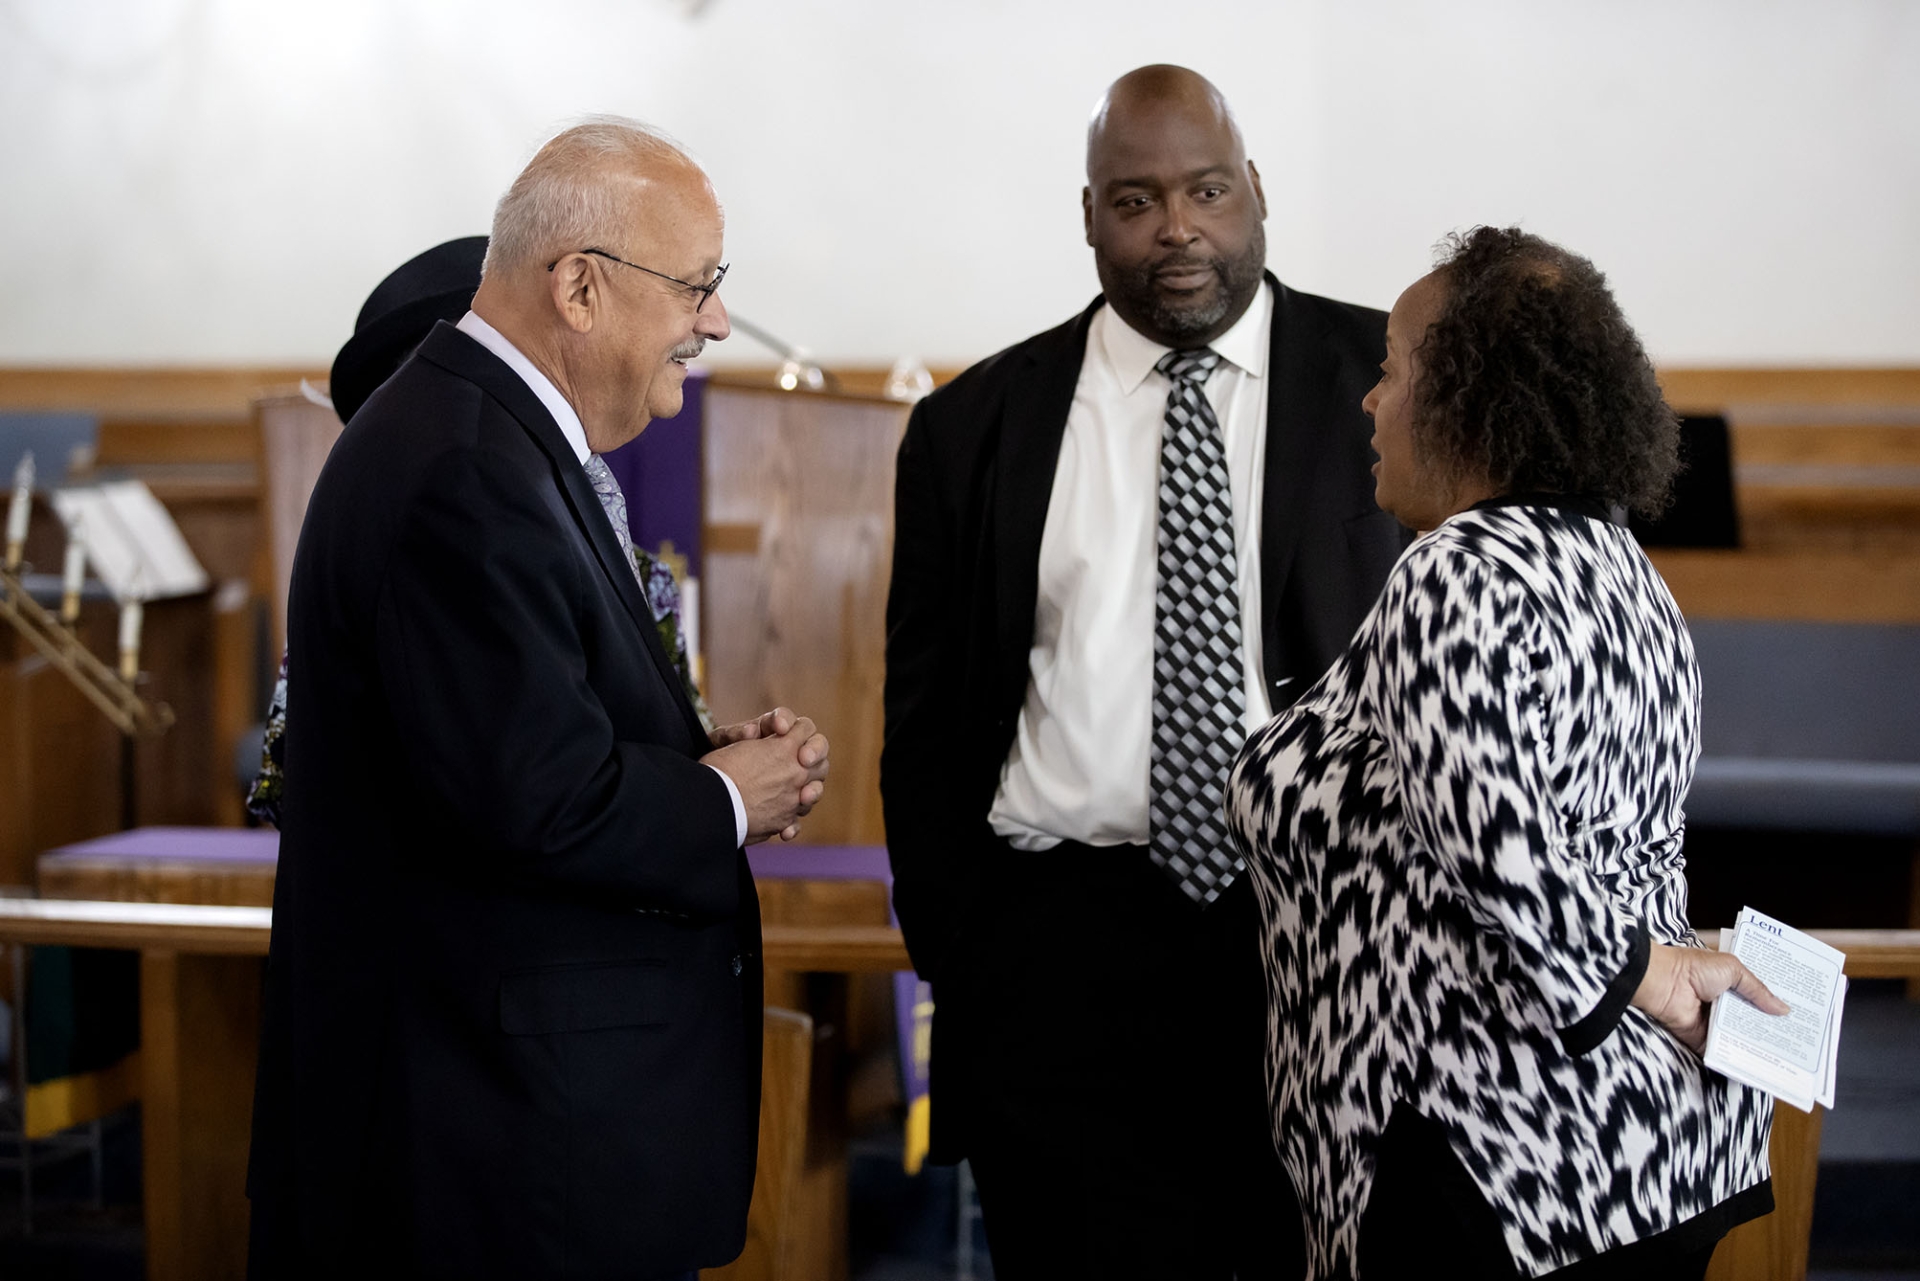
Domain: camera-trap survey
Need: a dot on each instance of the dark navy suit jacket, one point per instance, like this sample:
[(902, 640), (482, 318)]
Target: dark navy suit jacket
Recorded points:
[(973, 482), (513, 999)]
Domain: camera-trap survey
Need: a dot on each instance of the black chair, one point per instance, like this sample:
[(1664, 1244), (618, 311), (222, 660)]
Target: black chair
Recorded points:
[(1703, 512)]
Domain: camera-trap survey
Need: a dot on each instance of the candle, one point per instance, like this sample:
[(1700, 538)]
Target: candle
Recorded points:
[(129, 640), (19, 509), (690, 623), (74, 577)]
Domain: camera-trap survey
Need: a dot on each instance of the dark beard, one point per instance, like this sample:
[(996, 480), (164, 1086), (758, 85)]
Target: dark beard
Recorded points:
[(1183, 323)]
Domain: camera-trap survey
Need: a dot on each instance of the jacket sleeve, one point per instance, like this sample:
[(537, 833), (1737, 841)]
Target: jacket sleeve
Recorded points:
[(920, 759), (1465, 716), (482, 650)]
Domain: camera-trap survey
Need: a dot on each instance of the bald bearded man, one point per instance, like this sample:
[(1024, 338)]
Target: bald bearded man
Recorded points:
[(513, 999), (1119, 546)]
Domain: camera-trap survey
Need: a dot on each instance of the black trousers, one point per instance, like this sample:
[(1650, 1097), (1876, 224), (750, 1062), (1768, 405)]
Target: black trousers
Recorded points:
[(1112, 1045), (1426, 1217)]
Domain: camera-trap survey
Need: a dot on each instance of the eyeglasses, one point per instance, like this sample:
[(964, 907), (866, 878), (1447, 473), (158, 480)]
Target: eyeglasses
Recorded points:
[(705, 291)]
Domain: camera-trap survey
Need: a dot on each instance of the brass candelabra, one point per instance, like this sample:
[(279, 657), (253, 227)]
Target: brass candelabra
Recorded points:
[(112, 692)]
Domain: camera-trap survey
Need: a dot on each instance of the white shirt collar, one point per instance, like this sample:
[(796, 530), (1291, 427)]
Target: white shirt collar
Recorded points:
[(538, 383), (1133, 355)]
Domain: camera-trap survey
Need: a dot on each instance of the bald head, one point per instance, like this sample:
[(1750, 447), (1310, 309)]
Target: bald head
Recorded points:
[(1173, 207), (1147, 98), (597, 272), (588, 186)]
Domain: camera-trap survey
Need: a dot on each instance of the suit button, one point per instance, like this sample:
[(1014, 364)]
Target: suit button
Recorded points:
[(738, 966)]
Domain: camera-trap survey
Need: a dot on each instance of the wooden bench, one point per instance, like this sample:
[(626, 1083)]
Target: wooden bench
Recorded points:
[(196, 1211), (199, 1010)]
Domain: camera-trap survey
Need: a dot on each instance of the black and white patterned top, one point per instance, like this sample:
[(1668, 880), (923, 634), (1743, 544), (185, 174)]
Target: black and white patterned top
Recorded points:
[(1463, 840)]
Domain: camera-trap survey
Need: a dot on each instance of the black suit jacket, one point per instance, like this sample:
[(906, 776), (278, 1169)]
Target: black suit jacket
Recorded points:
[(513, 1002), (975, 474)]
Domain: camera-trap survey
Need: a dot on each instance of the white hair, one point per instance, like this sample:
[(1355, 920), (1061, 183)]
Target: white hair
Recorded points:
[(571, 194)]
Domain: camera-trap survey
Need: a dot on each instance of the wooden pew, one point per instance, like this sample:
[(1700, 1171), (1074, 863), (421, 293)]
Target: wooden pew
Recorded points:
[(195, 1169), (1826, 461), (776, 1224), (848, 998), (1774, 1248), (199, 1007)]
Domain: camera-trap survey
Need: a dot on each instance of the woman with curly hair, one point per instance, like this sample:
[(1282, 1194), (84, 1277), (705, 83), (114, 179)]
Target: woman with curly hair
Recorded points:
[(1487, 1004)]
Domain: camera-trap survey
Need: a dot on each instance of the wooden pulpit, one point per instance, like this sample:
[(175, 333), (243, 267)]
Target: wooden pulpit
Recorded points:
[(296, 435), (797, 542)]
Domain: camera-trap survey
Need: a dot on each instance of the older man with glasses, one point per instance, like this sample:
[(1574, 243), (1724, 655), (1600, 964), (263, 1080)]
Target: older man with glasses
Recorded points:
[(513, 1000)]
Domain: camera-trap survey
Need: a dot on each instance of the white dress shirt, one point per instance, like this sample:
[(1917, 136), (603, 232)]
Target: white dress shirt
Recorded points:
[(576, 433), (1078, 768)]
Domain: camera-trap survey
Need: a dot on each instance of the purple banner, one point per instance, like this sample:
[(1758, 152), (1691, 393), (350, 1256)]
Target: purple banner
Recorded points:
[(660, 474)]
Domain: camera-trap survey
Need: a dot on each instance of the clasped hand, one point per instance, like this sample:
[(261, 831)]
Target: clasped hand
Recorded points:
[(779, 763), (1681, 981)]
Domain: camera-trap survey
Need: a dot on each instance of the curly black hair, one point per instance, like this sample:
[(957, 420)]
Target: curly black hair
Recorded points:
[(1532, 378)]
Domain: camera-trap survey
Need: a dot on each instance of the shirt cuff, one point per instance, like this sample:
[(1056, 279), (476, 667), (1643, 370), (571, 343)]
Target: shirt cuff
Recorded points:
[(1601, 1020), (740, 809)]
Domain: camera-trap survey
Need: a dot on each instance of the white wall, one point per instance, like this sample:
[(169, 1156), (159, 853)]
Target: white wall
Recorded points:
[(222, 181)]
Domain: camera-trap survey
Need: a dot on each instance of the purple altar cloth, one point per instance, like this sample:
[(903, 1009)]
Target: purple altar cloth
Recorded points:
[(774, 861), (195, 844)]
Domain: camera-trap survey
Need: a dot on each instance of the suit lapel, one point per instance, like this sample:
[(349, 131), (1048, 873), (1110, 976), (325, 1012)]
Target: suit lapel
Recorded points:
[(1039, 396), (1299, 405), (592, 517), (448, 347)]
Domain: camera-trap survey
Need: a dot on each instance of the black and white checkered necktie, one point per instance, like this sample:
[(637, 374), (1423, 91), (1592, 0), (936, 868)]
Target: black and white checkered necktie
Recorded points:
[(1199, 689)]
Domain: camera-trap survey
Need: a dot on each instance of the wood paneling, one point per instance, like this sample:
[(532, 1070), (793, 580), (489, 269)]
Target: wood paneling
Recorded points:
[(147, 393), (1712, 390), (179, 441), (134, 393), (62, 758), (179, 773), (234, 699), (1786, 519), (1828, 444), (799, 620), (1815, 587), (61, 776), (16, 849)]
